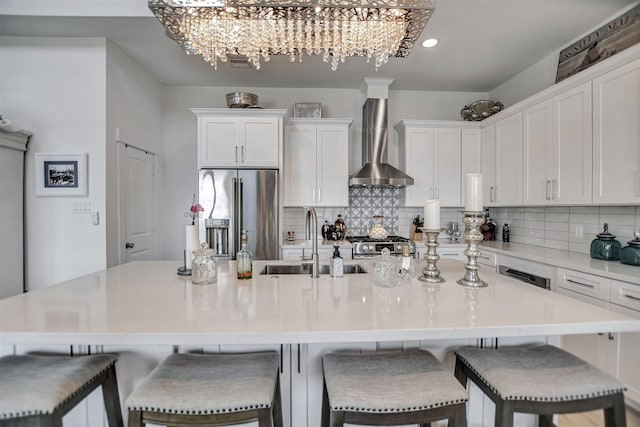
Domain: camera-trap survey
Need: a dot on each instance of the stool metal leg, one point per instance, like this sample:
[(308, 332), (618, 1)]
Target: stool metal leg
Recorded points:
[(277, 405), (504, 413), (264, 417), (135, 419), (545, 421), (615, 415), (325, 406), (111, 398)]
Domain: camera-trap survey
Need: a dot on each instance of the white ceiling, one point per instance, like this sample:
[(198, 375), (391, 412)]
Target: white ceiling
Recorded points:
[(483, 43)]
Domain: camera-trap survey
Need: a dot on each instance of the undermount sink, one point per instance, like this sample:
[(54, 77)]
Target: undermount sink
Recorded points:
[(277, 269)]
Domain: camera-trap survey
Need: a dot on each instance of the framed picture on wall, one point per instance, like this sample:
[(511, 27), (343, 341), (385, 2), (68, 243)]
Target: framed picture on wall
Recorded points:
[(61, 174)]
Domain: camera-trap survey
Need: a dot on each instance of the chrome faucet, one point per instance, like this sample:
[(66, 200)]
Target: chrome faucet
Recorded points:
[(311, 232)]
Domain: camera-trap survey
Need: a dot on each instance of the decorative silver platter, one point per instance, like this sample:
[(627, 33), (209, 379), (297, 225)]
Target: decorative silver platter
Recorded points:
[(480, 110)]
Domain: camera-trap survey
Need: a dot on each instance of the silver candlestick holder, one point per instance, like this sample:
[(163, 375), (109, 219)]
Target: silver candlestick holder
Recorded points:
[(472, 220), (430, 273)]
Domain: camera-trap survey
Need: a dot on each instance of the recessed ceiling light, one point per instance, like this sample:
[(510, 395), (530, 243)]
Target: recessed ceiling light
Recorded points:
[(429, 42)]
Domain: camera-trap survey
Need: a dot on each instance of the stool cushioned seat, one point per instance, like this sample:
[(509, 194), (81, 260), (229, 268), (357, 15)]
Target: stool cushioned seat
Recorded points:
[(34, 385), (543, 380), (203, 384), (540, 373), (411, 380)]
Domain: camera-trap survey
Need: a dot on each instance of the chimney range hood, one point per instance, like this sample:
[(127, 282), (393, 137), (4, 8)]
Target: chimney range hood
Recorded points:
[(376, 172)]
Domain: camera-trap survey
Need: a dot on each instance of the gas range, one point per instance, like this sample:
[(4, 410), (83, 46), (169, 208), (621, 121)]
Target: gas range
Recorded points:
[(365, 246)]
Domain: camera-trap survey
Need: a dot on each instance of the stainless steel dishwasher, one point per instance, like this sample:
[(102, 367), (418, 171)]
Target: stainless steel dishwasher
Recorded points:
[(529, 278)]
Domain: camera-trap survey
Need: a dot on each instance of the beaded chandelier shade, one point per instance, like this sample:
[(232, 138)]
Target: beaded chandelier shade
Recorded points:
[(257, 29)]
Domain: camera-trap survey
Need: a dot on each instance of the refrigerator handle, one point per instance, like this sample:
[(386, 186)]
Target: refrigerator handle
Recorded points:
[(236, 217), (240, 211)]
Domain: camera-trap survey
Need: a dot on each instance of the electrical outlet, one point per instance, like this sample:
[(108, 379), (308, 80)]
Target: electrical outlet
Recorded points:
[(579, 232)]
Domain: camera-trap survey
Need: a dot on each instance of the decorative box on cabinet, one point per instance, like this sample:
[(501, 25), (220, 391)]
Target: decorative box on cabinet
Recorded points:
[(616, 136), (316, 162), (431, 153), (557, 149), (239, 138)]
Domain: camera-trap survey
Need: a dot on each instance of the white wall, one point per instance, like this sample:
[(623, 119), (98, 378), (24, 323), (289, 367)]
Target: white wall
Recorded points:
[(55, 88), (134, 107)]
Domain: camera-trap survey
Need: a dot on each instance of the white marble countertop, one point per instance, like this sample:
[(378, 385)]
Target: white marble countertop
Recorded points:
[(571, 260), (146, 302)]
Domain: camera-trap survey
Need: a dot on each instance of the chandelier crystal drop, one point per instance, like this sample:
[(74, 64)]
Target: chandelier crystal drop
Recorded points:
[(375, 30)]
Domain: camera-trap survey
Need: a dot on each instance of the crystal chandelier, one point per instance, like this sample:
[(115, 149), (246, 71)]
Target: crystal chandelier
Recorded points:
[(257, 29)]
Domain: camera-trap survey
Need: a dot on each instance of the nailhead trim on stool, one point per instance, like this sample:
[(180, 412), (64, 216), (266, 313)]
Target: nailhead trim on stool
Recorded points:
[(390, 383), (543, 375), (209, 384), (47, 387)]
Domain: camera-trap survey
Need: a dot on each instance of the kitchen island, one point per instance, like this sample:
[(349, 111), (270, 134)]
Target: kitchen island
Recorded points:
[(143, 311), (148, 303)]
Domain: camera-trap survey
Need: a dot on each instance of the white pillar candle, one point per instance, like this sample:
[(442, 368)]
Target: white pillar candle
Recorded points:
[(192, 242), (432, 214), (473, 192)]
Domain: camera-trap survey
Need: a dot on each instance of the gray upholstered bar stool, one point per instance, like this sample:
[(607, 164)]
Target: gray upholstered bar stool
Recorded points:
[(209, 389), (390, 388), (542, 380), (38, 390)]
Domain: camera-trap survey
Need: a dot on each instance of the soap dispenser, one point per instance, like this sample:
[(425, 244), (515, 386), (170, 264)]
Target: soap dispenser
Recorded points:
[(336, 264)]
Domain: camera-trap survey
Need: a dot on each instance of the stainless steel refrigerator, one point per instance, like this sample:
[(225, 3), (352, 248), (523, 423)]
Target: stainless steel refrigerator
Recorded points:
[(236, 200)]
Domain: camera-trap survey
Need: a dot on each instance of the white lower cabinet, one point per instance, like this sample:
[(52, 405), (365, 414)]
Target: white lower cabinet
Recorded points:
[(614, 353)]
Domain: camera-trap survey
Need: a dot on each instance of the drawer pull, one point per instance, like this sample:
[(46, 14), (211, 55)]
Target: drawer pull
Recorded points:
[(631, 297), (580, 283), (485, 257)]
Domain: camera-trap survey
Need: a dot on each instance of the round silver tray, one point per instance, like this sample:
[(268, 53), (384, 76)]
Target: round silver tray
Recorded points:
[(480, 110)]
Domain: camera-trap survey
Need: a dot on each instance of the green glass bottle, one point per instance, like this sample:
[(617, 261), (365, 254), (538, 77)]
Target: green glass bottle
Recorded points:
[(244, 260)]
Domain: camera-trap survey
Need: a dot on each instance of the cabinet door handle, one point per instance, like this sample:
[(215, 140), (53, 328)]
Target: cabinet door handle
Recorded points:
[(492, 191), (546, 190), (236, 154), (554, 189), (631, 297), (437, 193), (298, 358), (242, 151), (611, 337), (281, 358), (580, 283)]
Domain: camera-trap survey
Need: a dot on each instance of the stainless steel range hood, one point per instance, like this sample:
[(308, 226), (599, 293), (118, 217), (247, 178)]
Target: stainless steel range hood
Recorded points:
[(376, 172)]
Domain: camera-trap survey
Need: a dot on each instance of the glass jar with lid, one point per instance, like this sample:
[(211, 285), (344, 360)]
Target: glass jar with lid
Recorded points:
[(203, 268), (377, 230), (630, 255), (605, 246), (385, 270)]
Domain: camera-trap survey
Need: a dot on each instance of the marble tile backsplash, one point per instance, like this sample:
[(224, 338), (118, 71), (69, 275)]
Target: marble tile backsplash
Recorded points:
[(569, 228)]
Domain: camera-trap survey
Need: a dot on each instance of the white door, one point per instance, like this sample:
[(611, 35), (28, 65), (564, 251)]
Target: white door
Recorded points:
[(137, 204)]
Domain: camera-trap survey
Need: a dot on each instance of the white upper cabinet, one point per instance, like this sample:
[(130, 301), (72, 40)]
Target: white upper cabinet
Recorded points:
[(557, 149), (316, 162), (239, 138), (432, 156), (616, 136), (502, 162)]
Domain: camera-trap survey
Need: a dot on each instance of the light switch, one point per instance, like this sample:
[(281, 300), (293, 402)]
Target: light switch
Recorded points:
[(579, 232)]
